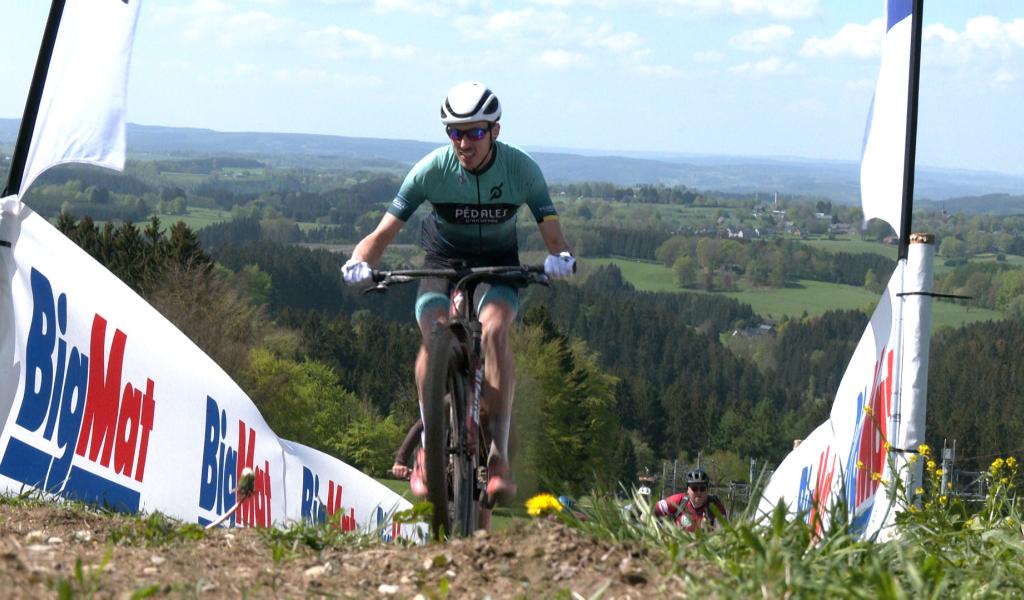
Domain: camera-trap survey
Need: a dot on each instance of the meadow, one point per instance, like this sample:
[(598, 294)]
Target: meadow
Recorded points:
[(804, 297)]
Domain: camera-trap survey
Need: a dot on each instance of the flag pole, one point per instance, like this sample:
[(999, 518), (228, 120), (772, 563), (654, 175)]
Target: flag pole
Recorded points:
[(911, 140), (35, 95)]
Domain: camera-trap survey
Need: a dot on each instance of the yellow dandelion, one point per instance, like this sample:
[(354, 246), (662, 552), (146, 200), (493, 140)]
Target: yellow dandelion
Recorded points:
[(924, 449), (997, 464), (913, 509), (876, 476), (885, 482), (1011, 462), (912, 459), (931, 465), (970, 522), (887, 445), (949, 485), (542, 504), (943, 499), (867, 409), (938, 472), (1010, 521), (919, 491), (1004, 480), (860, 465)]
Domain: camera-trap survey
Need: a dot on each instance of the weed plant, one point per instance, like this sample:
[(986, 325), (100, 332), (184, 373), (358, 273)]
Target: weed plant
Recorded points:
[(943, 546)]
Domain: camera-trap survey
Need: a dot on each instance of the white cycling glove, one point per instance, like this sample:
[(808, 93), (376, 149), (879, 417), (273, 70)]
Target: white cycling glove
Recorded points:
[(355, 271), (562, 265)]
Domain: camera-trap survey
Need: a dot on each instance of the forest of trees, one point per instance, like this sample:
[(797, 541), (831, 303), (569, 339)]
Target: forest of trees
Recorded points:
[(611, 380)]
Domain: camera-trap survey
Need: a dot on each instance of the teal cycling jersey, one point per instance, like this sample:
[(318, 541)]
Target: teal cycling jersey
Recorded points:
[(474, 213)]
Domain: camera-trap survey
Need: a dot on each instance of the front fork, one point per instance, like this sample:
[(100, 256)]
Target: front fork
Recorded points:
[(473, 424)]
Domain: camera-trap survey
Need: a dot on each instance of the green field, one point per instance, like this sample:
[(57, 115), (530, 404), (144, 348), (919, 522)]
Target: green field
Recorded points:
[(853, 245), (811, 297), (196, 218)]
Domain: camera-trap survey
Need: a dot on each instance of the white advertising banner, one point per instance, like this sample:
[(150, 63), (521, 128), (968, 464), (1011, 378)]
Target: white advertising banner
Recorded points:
[(877, 417), (104, 400)]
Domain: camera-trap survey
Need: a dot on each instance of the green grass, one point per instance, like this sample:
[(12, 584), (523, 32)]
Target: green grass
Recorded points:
[(811, 297)]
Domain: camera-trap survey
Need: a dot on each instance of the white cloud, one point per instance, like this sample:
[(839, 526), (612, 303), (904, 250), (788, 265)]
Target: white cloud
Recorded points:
[(337, 43), (779, 9), (660, 71), (760, 40), (409, 6), (859, 41), (561, 59), (708, 56), (1004, 77), (768, 66)]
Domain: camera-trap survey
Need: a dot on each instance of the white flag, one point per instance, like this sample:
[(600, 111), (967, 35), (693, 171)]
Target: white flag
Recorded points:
[(885, 139), (81, 114)]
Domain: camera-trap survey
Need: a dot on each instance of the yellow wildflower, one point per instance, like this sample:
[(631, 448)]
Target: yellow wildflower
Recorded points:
[(913, 509), (912, 459), (1004, 480), (1011, 462), (876, 476), (1010, 521), (943, 499), (970, 522), (919, 491), (860, 465), (543, 504), (887, 445), (997, 464), (924, 449), (938, 472), (867, 409), (931, 465)]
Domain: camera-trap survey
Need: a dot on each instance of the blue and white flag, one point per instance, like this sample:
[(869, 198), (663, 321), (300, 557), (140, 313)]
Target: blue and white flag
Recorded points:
[(81, 116), (885, 139)]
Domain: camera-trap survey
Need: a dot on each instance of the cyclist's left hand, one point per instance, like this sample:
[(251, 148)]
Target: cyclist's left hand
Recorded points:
[(562, 265)]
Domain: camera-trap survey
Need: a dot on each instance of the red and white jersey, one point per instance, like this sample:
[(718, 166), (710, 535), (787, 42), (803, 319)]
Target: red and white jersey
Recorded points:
[(679, 507)]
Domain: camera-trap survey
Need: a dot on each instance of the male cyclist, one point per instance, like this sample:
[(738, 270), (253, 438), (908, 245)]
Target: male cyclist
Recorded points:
[(691, 509), (475, 186)]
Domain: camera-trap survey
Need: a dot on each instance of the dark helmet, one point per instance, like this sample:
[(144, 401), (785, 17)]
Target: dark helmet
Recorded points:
[(697, 476)]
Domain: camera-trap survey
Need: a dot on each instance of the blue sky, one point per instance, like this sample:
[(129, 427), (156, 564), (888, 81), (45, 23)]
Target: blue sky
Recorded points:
[(734, 77)]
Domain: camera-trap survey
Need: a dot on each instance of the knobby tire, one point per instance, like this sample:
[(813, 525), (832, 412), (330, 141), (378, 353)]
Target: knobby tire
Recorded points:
[(450, 471)]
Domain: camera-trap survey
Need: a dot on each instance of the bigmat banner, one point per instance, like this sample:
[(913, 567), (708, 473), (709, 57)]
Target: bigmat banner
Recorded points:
[(104, 400), (858, 458)]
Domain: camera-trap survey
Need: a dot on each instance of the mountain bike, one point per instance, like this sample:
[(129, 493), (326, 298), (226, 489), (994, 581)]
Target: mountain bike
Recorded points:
[(456, 445)]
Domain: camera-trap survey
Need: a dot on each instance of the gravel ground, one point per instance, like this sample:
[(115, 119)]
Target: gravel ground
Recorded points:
[(122, 557)]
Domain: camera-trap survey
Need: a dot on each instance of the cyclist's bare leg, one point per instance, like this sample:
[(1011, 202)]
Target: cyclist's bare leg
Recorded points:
[(426, 329), (499, 382), (417, 479)]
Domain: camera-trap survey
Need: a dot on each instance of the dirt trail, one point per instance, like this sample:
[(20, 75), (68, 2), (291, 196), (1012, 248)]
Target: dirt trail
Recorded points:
[(39, 546)]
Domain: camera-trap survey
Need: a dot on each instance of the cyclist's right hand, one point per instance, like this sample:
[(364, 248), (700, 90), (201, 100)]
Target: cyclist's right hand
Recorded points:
[(355, 271)]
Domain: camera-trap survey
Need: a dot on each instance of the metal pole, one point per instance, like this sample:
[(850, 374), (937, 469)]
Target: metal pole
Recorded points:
[(947, 466), (911, 139)]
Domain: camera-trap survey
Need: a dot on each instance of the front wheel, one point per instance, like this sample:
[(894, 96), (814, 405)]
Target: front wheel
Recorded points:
[(451, 467)]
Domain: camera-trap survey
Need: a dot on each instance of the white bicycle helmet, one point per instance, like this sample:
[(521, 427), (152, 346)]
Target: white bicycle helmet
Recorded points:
[(469, 102)]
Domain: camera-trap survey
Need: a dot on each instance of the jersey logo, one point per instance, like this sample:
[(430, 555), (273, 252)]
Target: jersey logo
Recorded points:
[(475, 214), (496, 191)]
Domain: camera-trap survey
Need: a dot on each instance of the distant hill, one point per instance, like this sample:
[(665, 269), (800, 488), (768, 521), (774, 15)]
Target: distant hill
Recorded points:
[(837, 180)]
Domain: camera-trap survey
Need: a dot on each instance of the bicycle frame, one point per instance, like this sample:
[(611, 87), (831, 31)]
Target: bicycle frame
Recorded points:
[(466, 442)]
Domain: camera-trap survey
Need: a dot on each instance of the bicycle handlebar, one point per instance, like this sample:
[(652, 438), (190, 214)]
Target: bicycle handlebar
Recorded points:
[(521, 275)]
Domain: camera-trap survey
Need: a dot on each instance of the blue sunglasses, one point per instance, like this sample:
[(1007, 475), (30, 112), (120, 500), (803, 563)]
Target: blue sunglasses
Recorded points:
[(476, 134)]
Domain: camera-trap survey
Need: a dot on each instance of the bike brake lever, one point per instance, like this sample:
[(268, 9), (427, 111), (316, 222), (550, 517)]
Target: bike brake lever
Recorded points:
[(380, 288)]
